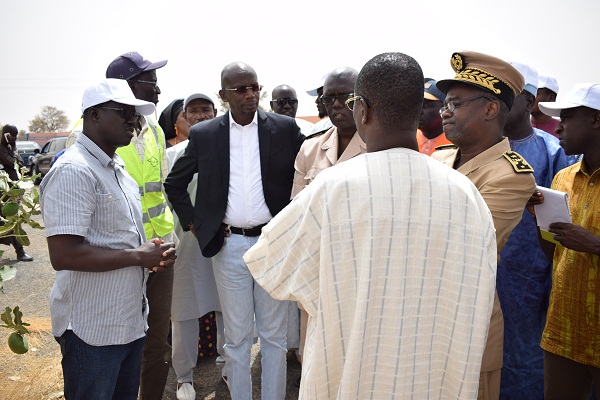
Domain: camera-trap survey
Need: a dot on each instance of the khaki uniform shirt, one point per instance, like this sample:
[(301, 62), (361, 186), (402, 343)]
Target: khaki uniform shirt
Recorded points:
[(506, 183), (321, 152)]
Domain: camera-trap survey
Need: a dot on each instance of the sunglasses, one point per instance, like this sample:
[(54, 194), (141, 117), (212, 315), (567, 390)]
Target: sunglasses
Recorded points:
[(329, 100), (151, 83), (243, 89), (286, 100), (126, 114)]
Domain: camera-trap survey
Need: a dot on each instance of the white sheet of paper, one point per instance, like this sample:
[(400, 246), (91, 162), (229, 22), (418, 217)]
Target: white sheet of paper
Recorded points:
[(554, 209)]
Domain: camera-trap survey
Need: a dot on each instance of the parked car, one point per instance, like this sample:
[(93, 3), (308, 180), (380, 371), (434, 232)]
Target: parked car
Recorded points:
[(42, 161), (27, 149)]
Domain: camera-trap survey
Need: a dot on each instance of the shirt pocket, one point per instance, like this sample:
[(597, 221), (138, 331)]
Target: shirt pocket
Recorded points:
[(112, 213)]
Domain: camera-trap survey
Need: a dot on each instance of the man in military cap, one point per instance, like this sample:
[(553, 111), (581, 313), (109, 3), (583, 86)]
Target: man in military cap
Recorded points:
[(478, 100)]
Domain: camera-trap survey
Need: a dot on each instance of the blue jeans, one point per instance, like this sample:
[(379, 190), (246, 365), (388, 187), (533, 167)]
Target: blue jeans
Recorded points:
[(243, 301), (100, 372)]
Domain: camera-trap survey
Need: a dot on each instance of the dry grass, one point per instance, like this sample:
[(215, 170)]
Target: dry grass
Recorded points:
[(36, 374)]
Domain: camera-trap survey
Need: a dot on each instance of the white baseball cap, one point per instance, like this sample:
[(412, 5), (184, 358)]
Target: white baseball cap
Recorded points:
[(582, 94), (548, 82), (530, 75), (313, 92), (116, 90)]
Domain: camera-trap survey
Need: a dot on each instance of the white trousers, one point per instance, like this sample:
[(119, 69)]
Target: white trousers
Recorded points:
[(185, 347)]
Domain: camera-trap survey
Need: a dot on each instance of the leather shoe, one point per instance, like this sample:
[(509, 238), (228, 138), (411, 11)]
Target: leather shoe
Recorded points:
[(186, 392), (24, 257)]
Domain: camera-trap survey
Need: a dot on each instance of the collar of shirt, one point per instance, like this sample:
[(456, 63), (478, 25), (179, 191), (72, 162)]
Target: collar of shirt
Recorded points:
[(143, 128), (485, 157), (232, 122), (246, 205), (102, 157), (523, 140), (580, 167)]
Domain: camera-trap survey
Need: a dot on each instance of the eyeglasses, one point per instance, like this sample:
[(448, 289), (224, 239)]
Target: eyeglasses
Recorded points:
[(329, 100), (151, 83), (286, 100), (126, 114), (350, 102), (243, 89), (454, 104)]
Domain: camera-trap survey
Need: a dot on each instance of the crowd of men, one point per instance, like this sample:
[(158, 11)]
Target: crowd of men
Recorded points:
[(393, 244)]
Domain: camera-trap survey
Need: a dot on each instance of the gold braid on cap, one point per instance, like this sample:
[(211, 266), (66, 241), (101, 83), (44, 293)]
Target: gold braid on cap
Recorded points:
[(480, 78)]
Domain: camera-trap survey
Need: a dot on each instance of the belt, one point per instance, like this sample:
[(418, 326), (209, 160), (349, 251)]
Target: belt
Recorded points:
[(250, 232)]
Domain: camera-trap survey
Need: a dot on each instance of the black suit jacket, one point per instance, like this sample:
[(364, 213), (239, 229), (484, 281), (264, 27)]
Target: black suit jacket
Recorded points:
[(207, 154)]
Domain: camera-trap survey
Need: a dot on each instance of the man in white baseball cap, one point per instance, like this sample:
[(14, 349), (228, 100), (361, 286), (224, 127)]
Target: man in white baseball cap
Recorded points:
[(524, 272), (97, 245), (547, 91), (325, 123), (110, 89), (570, 340)]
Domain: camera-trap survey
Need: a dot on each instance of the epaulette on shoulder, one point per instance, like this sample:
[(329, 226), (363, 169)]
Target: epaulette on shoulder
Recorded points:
[(518, 162), (316, 134), (446, 147)]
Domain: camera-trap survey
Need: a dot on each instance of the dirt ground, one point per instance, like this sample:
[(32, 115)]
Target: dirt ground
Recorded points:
[(37, 374)]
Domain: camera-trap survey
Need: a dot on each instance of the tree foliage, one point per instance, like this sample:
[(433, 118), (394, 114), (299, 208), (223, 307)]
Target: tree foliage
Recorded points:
[(50, 119), (18, 205)]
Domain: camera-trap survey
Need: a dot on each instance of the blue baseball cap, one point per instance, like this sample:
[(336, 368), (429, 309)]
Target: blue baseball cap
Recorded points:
[(431, 91), (130, 64)]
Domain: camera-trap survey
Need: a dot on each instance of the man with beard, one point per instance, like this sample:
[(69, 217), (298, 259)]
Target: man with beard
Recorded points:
[(325, 122)]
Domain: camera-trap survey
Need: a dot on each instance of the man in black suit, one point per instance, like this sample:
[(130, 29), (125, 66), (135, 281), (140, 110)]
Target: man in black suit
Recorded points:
[(245, 165)]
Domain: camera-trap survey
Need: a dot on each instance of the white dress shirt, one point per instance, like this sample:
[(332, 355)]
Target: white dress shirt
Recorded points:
[(246, 205)]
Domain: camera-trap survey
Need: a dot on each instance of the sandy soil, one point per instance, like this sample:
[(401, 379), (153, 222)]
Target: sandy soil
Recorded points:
[(37, 374)]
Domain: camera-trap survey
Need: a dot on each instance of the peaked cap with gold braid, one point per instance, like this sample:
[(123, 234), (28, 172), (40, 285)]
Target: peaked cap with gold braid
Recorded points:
[(485, 72)]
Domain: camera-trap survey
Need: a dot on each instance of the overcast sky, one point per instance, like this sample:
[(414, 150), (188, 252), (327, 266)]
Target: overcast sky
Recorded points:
[(51, 50)]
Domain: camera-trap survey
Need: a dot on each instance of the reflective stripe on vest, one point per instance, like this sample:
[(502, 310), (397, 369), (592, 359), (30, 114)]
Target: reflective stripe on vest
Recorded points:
[(157, 217), (154, 212), (150, 187)]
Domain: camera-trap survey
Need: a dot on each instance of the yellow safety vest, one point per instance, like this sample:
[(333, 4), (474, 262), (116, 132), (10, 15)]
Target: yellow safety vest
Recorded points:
[(156, 214)]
